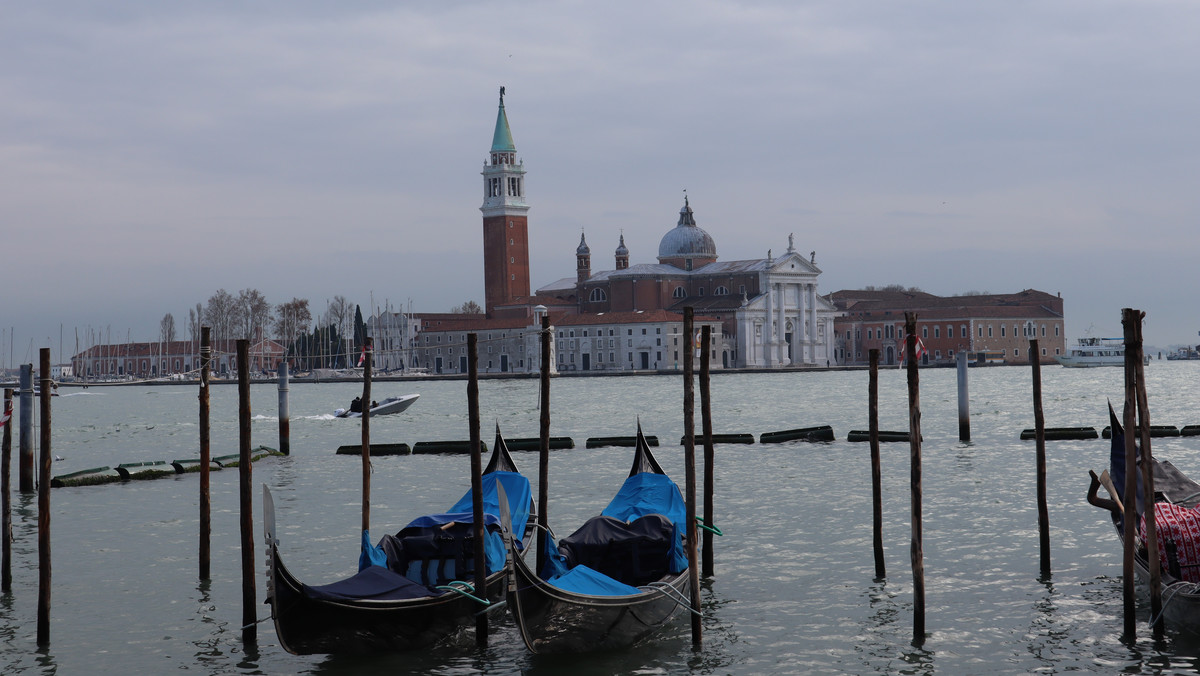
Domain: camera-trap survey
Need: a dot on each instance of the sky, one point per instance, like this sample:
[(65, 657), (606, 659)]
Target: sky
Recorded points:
[(153, 153)]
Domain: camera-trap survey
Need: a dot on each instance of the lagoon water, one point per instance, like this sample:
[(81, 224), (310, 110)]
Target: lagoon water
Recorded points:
[(794, 590)]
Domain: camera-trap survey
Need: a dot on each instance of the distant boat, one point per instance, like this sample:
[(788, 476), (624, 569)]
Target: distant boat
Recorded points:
[(386, 407), (1090, 352)]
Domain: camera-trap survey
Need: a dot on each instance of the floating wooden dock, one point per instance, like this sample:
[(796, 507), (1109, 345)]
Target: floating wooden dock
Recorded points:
[(1190, 431), (151, 469), (601, 442), (430, 447), (376, 449), (86, 477), (535, 443), (818, 433), (1061, 433), (723, 439), (189, 465), (865, 435), (1155, 431)]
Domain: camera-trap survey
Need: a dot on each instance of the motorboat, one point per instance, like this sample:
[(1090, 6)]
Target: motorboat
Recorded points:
[(386, 407)]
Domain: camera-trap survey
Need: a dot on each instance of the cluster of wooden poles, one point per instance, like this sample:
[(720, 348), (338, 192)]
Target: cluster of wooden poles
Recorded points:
[(1135, 404)]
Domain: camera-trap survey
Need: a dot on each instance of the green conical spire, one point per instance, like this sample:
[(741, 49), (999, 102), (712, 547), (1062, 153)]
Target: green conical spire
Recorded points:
[(502, 141)]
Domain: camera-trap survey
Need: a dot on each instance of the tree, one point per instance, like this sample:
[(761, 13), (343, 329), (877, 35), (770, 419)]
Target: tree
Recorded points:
[(254, 314), (167, 328), (339, 315), (195, 319), (468, 308), (291, 322), (220, 313)]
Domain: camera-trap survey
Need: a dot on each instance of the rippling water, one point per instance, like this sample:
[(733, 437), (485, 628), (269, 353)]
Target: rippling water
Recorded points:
[(794, 590)]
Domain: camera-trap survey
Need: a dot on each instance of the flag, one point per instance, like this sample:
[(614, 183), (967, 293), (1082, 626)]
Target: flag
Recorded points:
[(362, 357), (4, 419), (904, 348)]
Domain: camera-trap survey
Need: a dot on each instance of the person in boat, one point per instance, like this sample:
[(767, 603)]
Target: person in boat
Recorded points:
[(374, 404), (356, 405)]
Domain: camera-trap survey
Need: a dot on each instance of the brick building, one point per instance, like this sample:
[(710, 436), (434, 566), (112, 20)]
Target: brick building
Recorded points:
[(994, 327)]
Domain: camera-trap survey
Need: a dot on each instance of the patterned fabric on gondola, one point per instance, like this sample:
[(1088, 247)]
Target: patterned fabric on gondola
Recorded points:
[(1180, 526)]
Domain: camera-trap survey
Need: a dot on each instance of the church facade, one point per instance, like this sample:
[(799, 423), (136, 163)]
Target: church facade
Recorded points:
[(764, 312)]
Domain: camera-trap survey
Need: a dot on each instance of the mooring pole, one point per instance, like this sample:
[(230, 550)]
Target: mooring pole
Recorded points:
[(914, 445), (43, 613), (876, 472), (1130, 488), (706, 427), (285, 434), (366, 438), (544, 446), (249, 607), (25, 440), (689, 463), (1039, 423), (964, 405), (481, 620), (205, 454), (1143, 409), (6, 489)]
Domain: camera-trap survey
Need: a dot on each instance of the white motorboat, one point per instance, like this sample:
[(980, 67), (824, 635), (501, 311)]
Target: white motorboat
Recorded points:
[(386, 407), (1089, 352)]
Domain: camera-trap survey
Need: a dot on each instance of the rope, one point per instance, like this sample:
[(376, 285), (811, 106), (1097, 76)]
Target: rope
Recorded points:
[(712, 529), (675, 594), (465, 590)]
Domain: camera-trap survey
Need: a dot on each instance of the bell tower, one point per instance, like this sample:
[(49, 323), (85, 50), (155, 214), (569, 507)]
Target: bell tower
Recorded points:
[(505, 224)]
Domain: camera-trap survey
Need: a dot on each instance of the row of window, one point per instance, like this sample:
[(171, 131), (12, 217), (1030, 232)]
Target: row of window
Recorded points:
[(1029, 331)]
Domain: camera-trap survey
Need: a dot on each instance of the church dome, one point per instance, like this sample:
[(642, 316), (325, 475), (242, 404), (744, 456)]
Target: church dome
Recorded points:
[(582, 249), (622, 250), (686, 240)]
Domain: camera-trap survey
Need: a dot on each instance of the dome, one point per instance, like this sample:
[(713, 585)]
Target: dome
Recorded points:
[(621, 248), (583, 249), (686, 240)]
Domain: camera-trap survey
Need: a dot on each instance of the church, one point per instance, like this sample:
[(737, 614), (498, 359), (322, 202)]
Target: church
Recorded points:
[(764, 312)]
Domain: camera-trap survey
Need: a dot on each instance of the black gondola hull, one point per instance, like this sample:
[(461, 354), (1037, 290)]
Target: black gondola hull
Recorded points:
[(307, 626), (552, 620)]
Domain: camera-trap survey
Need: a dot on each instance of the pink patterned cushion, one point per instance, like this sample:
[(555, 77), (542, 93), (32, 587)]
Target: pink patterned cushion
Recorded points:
[(1180, 525)]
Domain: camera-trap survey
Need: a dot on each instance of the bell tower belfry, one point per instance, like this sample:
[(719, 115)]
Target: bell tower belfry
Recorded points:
[(505, 224)]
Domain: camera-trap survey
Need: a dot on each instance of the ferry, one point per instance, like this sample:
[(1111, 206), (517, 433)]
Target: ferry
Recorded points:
[(1089, 352)]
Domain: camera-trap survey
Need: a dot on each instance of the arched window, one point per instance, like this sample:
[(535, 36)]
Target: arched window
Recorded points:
[(721, 291), (680, 292), (598, 295)]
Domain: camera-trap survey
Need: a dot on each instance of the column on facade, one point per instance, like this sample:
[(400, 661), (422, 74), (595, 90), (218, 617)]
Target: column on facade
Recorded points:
[(812, 325), (798, 335), (780, 343), (767, 333)]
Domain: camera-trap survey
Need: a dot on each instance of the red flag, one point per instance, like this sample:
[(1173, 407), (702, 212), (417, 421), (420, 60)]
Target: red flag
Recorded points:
[(4, 419)]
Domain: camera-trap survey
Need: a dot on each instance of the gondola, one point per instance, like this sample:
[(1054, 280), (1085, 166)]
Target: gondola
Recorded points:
[(1176, 497), (414, 588), (618, 579)]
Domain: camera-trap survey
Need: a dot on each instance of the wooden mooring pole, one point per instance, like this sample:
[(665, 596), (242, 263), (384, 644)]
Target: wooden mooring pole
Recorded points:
[(1135, 318), (1039, 423), (914, 445), (689, 463), (366, 438), (205, 454), (6, 531), (481, 619), (43, 612), (964, 401), (245, 479), (25, 438), (544, 446), (876, 473), (709, 460), (1129, 493), (285, 433)]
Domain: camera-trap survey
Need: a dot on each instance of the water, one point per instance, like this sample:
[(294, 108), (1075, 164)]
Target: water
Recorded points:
[(794, 589)]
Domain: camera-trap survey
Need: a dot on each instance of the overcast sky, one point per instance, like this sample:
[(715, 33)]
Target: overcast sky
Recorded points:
[(152, 153)]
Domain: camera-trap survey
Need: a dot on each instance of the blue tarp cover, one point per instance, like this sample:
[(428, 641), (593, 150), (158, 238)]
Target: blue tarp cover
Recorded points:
[(516, 487), (584, 580), (641, 494)]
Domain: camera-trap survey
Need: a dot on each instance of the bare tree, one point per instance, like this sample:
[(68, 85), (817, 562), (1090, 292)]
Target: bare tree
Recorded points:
[(167, 328), (468, 308), (254, 313), (340, 315), (292, 320), (195, 319), (221, 314)]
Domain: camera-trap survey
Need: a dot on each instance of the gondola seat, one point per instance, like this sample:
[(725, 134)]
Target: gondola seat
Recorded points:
[(634, 553)]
